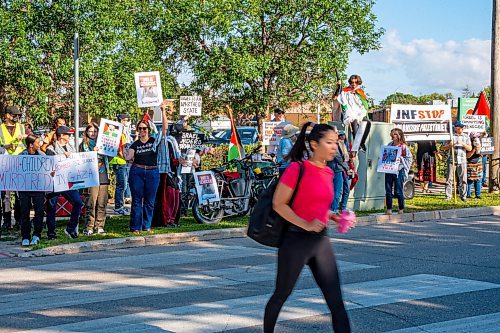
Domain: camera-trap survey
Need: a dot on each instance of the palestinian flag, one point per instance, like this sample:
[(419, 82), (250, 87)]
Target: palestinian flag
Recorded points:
[(482, 107), (360, 93), (235, 147)]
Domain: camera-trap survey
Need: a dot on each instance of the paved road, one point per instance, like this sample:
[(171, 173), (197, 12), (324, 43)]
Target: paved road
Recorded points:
[(400, 278)]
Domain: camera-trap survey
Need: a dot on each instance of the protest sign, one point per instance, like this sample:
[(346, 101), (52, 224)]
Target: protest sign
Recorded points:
[(466, 106), (148, 89), (388, 161), (189, 140), (422, 122), (487, 146), (108, 139), (75, 172), (190, 105), (206, 187), (188, 166), (26, 173), (272, 132), (474, 124)]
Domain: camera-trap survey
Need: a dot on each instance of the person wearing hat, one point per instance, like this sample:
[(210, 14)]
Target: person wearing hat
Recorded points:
[(341, 180), (12, 136), (121, 168), (288, 137), (279, 117), (460, 144), (62, 146)]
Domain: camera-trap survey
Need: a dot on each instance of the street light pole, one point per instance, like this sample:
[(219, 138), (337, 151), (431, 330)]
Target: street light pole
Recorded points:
[(76, 51), (495, 91)]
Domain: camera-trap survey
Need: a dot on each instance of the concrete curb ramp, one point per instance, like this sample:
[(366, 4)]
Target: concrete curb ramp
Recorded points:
[(206, 235)]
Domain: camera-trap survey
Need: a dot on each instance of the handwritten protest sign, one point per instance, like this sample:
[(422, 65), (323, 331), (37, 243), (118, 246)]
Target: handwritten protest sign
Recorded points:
[(206, 187), (148, 89), (26, 173), (474, 124), (189, 140), (190, 105), (389, 160), (272, 132), (75, 172), (422, 122), (108, 139), (487, 146)]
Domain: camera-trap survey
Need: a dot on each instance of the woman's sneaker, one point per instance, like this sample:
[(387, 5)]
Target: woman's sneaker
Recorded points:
[(88, 233), (122, 211), (72, 235), (101, 231), (35, 240), (25, 242)]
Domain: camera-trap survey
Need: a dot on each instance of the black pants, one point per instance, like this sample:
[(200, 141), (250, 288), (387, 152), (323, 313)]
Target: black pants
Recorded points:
[(300, 249), (26, 201)]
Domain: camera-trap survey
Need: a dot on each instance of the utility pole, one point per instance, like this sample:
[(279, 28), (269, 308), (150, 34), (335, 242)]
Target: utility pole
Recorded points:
[(76, 54), (495, 91)]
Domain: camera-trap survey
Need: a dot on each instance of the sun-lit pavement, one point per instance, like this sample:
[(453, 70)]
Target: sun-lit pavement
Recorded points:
[(415, 277)]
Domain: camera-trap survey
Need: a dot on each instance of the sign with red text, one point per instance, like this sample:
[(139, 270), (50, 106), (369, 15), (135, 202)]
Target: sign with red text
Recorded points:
[(422, 122), (389, 159), (272, 132), (206, 187), (108, 139), (148, 89)]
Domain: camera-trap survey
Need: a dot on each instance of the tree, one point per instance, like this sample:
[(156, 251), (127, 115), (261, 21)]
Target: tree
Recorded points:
[(36, 56), (256, 54)]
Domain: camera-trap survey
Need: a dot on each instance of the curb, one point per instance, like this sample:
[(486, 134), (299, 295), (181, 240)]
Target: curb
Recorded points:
[(207, 235)]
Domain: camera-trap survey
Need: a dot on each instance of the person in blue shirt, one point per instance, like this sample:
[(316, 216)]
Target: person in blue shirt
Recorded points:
[(288, 137)]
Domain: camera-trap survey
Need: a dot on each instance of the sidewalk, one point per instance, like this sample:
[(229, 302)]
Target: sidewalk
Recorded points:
[(13, 248)]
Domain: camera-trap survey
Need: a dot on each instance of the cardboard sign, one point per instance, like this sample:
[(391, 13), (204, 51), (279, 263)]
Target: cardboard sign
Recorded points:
[(108, 139), (148, 89), (206, 187), (189, 140), (75, 172), (422, 122), (487, 146), (389, 159), (190, 105), (26, 173), (474, 124)]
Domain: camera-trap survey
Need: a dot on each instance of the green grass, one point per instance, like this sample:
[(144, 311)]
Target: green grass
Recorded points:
[(118, 226)]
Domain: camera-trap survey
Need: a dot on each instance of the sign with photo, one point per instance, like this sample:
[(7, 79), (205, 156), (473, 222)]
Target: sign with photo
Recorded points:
[(77, 171), (190, 105), (26, 173), (188, 166), (487, 146), (422, 122), (189, 140), (206, 187), (108, 139), (389, 159), (148, 89), (474, 124)]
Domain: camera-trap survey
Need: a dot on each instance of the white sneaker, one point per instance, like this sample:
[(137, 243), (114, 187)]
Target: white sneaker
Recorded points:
[(25, 242), (88, 232), (101, 231), (35, 240)]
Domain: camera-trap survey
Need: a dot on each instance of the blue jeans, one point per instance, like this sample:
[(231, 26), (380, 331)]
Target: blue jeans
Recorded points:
[(485, 161), (392, 181), (477, 184), (122, 189), (143, 185), (73, 197), (341, 187)]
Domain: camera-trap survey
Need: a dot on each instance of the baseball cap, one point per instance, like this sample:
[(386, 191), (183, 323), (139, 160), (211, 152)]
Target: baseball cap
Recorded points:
[(64, 130), (123, 116), (459, 124), (341, 132), (279, 111), (12, 110)]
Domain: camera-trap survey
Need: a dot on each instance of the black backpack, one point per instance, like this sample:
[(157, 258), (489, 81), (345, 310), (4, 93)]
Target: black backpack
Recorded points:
[(265, 225)]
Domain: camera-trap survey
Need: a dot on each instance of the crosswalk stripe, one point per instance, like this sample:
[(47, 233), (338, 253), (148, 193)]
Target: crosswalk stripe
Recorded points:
[(489, 323), (248, 311)]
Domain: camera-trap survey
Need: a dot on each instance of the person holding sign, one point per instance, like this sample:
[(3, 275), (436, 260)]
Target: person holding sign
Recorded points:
[(98, 195), (62, 146), (28, 199), (397, 180), (474, 166), (144, 176), (460, 144)]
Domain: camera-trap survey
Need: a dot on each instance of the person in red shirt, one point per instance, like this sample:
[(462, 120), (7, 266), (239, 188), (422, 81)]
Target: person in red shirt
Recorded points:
[(306, 240)]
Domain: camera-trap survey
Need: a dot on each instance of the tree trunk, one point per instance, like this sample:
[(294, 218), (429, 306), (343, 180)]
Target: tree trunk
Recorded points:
[(495, 93)]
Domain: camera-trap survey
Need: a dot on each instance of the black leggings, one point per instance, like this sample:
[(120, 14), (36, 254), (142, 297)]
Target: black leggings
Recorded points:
[(300, 249)]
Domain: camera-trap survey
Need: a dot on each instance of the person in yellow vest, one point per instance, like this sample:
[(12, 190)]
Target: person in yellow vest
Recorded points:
[(12, 135), (121, 168)]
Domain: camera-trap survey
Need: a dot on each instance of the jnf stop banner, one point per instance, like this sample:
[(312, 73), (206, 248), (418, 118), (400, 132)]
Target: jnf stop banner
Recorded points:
[(422, 122), (148, 89)]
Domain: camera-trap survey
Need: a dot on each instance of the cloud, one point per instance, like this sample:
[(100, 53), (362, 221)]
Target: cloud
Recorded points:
[(423, 66)]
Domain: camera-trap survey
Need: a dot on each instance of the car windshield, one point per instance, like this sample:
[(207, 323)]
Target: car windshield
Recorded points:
[(222, 134), (246, 135)]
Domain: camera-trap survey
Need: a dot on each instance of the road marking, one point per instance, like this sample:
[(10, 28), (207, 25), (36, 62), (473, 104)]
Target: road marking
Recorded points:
[(248, 311)]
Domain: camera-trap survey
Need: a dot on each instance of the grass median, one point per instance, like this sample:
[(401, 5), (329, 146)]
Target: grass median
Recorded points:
[(118, 226)]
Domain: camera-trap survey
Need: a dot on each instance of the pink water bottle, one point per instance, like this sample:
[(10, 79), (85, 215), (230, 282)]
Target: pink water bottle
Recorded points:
[(346, 221)]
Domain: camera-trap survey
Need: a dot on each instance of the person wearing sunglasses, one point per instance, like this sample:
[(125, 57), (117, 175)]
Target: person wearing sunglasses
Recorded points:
[(144, 176)]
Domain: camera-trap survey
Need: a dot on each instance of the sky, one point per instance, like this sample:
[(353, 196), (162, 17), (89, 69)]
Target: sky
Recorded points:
[(428, 46)]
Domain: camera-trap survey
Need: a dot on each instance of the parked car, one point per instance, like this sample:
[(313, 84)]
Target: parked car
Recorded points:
[(248, 136)]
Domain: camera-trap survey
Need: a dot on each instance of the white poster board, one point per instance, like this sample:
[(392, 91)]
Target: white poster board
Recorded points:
[(78, 171), (190, 105), (108, 139), (188, 166), (26, 173), (206, 187), (148, 89), (389, 159), (474, 124), (422, 122), (487, 146), (272, 132)]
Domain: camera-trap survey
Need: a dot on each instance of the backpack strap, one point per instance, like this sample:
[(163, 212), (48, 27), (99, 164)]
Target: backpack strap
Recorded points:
[(301, 172)]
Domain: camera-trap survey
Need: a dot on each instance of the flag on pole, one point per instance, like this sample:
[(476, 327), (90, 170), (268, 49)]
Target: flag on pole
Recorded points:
[(152, 125), (235, 147), (482, 107)]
